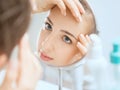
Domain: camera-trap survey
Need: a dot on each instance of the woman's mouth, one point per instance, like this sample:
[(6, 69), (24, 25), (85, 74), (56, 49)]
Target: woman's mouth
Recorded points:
[(45, 57)]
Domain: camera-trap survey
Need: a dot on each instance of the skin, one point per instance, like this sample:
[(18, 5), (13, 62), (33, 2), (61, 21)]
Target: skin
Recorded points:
[(3, 60), (55, 42)]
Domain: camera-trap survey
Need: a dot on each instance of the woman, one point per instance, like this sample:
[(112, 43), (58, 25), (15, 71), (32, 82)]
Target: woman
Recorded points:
[(14, 20), (64, 41)]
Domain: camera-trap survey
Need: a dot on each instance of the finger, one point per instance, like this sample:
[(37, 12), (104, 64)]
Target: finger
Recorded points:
[(73, 8), (26, 53), (88, 39), (82, 48), (80, 7), (83, 40), (36, 62), (24, 56), (61, 6), (38, 68), (24, 47), (30, 74)]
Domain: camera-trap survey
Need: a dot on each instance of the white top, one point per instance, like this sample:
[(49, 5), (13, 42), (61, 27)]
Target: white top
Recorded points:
[(43, 85)]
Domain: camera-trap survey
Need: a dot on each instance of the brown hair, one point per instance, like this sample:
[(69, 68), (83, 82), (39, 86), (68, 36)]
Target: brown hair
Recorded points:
[(14, 20), (89, 12)]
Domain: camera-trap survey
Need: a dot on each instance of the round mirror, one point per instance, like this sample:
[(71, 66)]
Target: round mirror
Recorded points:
[(57, 42)]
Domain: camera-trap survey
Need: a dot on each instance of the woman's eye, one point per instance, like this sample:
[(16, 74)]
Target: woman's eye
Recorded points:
[(67, 40), (48, 26)]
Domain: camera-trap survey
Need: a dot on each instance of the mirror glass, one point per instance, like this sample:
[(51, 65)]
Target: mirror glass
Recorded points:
[(58, 38)]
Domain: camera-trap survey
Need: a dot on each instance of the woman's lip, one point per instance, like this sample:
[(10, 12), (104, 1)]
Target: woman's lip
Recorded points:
[(45, 57)]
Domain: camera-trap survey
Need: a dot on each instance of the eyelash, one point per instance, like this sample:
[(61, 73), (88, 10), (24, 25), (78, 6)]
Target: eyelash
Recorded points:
[(49, 27), (66, 37)]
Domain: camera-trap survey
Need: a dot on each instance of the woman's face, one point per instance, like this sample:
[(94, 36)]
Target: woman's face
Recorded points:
[(58, 38)]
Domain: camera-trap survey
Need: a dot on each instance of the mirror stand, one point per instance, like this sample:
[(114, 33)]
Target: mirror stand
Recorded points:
[(60, 79)]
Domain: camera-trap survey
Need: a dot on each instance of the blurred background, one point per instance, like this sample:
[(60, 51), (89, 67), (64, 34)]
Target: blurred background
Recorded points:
[(107, 13)]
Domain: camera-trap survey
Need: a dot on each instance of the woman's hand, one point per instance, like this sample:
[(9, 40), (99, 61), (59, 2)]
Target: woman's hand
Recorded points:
[(84, 44), (74, 5), (24, 73)]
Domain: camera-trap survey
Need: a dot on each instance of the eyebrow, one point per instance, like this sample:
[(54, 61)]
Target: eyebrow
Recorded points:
[(65, 31), (49, 20), (69, 34)]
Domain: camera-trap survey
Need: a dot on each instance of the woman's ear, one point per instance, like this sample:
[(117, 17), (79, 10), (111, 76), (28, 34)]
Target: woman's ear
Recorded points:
[(3, 60)]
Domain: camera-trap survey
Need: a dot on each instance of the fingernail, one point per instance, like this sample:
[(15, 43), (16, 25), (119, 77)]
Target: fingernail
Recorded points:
[(81, 35), (86, 35), (64, 13), (83, 11), (79, 19), (76, 15), (78, 44)]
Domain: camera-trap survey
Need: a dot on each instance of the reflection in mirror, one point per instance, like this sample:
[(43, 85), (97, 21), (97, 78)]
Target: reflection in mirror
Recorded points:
[(58, 39)]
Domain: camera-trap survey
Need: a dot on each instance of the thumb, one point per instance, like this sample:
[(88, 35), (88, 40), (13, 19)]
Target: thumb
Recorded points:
[(11, 74)]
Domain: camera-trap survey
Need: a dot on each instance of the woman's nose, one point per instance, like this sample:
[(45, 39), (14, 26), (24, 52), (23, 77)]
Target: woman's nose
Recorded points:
[(48, 44)]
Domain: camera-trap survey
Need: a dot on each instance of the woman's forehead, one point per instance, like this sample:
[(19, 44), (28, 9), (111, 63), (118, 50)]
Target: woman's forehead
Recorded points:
[(55, 13), (67, 22)]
